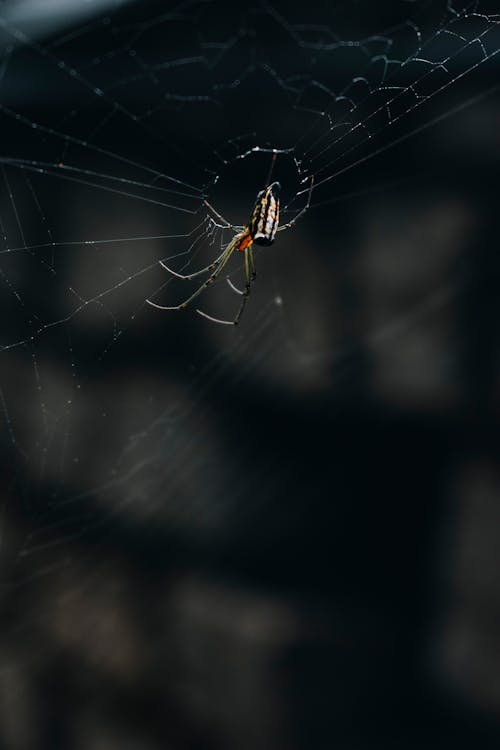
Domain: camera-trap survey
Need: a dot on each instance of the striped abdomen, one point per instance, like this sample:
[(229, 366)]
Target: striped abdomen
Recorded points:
[(264, 221)]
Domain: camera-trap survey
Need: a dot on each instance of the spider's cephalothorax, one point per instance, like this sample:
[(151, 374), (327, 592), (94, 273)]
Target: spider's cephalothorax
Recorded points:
[(264, 221)]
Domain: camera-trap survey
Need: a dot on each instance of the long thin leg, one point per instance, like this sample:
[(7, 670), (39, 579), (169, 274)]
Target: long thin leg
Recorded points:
[(271, 169), (248, 285), (233, 286), (189, 276), (221, 264), (253, 273), (220, 217), (250, 276), (301, 212), (252, 264)]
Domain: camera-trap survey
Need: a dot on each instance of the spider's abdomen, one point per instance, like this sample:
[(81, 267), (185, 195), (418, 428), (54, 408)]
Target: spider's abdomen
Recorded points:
[(265, 217)]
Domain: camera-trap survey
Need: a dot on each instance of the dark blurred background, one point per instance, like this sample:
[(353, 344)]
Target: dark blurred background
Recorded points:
[(287, 534)]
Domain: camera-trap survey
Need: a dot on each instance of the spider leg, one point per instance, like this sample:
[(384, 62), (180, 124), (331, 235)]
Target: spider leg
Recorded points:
[(252, 264), (233, 287), (188, 276), (223, 260), (250, 276), (253, 273), (221, 218), (302, 211), (215, 320), (271, 168)]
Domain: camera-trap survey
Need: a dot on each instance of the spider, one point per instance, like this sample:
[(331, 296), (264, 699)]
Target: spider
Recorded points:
[(260, 230)]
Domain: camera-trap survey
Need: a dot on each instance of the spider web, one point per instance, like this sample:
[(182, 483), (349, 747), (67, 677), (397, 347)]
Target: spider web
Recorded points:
[(116, 127)]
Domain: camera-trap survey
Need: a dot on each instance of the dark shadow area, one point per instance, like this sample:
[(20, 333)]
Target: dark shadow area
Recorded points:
[(283, 535)]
